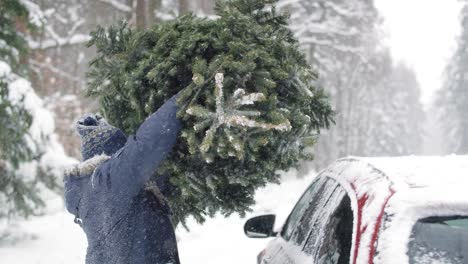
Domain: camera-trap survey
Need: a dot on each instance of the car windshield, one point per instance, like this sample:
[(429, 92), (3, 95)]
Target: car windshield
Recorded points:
[(439, 240)]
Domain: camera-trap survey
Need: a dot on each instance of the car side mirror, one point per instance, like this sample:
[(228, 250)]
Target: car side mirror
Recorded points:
[(260, 226)]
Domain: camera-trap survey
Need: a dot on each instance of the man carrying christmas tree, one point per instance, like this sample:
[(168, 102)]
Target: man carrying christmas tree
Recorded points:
[(125, 217)]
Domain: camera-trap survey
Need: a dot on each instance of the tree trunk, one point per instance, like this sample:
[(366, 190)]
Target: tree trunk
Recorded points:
[(144, 12), (184, 7), (207, 6)]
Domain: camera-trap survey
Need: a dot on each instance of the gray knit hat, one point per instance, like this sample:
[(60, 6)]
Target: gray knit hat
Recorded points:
[(98, 137)]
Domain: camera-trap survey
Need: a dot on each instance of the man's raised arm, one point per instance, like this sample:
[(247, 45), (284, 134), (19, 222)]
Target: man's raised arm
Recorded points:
[(143, 153)]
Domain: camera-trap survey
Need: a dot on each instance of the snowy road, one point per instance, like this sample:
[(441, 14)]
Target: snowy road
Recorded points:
[(55, 239)]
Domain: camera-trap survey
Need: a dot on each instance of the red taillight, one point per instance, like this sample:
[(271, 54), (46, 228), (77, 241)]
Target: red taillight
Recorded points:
[(260, 256)]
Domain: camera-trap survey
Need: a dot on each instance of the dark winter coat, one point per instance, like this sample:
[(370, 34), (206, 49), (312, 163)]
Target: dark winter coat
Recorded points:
[(123, 222)]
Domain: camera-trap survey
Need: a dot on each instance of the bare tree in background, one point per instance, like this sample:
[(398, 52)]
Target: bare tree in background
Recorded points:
[(144, 11), (184, 6)]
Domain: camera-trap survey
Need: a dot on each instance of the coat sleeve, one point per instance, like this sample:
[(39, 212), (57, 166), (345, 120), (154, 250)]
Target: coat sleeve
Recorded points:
[(131, 168)]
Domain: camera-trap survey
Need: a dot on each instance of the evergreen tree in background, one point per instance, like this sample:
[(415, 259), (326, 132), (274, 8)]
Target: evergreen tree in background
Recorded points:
[(21, 177), (407, 114), (342, 40), (249, 103), (13, 44), (396, 115), (14, 119), (452, 100)]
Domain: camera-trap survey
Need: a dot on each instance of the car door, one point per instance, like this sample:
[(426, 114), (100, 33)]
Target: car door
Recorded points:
[(280, 250), (330, 238), (321, 214)]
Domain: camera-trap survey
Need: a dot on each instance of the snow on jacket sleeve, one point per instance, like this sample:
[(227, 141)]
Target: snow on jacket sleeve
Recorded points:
[(132, 167)]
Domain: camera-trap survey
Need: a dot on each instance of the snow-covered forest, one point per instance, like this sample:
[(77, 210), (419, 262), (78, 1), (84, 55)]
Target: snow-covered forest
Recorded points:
[(451, 102), (44, 61)]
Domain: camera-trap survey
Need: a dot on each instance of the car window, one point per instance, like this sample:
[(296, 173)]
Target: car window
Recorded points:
[(329, 241), (439, 240), (314, 212), (323, 216), (304, 202)]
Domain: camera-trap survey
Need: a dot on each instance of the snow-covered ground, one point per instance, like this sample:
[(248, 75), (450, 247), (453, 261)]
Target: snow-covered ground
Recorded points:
[(55, 239)]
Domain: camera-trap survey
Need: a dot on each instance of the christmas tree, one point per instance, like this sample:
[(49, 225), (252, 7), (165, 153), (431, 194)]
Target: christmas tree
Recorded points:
[(248, 99)]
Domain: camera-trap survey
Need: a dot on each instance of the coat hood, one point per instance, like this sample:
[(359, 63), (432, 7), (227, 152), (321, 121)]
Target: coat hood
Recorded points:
[(78, 177)]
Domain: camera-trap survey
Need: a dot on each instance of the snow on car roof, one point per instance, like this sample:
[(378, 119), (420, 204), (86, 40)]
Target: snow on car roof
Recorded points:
[(425, 171), (443, 176), (409, 189), (437, 182)]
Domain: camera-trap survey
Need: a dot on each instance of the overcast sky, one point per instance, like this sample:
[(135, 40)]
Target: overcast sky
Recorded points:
[(422, 33)]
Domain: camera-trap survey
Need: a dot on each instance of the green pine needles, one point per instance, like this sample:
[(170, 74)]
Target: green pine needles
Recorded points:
[(12, 43), (19, 192), (248, 101)]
